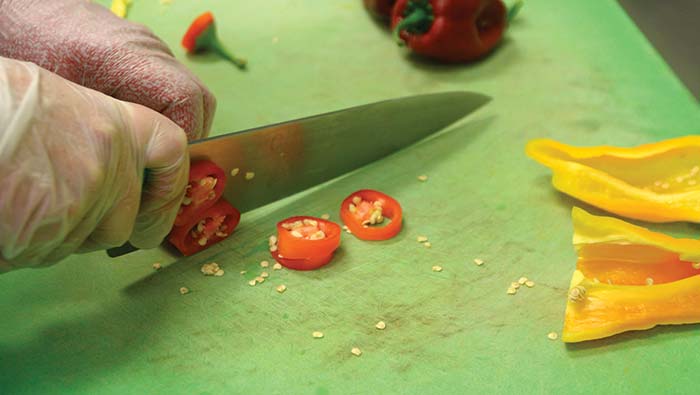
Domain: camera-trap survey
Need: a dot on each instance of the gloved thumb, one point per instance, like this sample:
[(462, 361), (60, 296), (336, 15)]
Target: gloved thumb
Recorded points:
[(166, 163)]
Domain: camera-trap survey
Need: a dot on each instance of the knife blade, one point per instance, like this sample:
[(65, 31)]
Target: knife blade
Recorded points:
[(292, 156)]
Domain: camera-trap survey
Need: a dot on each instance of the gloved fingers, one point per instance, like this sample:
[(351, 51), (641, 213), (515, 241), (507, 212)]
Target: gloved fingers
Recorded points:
[(160, 83), (167, 169)]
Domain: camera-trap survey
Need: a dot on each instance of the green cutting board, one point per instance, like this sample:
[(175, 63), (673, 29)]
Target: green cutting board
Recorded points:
[(576, 71)]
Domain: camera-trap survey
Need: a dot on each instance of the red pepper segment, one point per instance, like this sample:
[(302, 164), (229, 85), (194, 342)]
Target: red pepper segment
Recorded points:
[(450, 30), (305, 243), (206, 184), (365, 211), (201, 36), (215, 224)]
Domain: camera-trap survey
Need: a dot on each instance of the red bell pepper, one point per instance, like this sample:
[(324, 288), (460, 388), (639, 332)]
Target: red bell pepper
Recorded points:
[(201, 36), (215, 224), (365, 211), (206, 184), (451, 30), (380, 8), (305, 243)]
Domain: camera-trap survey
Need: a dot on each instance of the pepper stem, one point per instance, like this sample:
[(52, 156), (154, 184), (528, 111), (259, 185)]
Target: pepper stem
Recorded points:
[(513, 10), (208, 40), (418, 17)]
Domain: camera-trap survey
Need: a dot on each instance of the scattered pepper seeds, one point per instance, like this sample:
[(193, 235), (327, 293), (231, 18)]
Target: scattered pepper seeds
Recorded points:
[(264, 264), (325, 216), (235, 171), (380, 325), (184, 290), (437, 268), (277, 266), (243, 272), (281, 288), (515, 285), (552, 335), (696, 265), (157, 266), (427, 244), (212, 269), (249, 175), (530, 283), (422, 239), (423, 178), (259, 279), (264, 274), (511, 291), (650, 281), (317, 335), (356, 351), (252, 283), (478, 262), (522, 280)]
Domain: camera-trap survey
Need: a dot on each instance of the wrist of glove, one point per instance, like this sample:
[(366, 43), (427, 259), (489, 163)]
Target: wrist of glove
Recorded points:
[(73, 160), (85, 43)]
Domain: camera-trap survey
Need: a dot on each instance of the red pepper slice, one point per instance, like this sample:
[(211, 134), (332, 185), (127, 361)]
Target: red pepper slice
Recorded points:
[(364, 211), (201, 36), (206, 184), (213, 225), (451, 30), (305, 243)]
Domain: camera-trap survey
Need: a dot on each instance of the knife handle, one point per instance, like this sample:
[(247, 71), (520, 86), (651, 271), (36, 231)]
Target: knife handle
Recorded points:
[(124, 249)]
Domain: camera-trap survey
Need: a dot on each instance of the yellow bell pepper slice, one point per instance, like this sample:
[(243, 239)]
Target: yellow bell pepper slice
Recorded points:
[(598, 310), (629, 278), (657, 182), (120, 7)]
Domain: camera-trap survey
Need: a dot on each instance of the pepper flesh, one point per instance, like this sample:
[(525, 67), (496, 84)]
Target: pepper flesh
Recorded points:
[(610, 292), (450, 30), (657, 182)]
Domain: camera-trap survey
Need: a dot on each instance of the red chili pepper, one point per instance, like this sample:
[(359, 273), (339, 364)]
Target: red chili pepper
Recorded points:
[(451, 30), (365, 211), (201, 36), (380, 8), (305, 243), (215, 224), (206, 184)]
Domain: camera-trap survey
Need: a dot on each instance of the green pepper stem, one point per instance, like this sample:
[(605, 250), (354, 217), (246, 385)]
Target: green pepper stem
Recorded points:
[(514, 9), (419, 18), (209, 41)]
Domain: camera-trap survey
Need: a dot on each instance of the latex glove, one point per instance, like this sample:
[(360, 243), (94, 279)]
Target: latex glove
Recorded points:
[(72, 166), (87, 44)]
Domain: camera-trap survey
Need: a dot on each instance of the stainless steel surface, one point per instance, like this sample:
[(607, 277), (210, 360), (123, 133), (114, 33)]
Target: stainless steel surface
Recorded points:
[(673, 28), (292, 156)]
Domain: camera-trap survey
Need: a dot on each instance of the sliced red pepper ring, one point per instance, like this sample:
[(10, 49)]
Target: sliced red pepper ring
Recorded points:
[(364, 213), (214, 225), (206, 184), (305, 243)]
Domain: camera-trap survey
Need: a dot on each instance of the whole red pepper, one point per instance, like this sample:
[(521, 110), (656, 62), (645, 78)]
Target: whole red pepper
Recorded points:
[(380, 8), (451, 30)]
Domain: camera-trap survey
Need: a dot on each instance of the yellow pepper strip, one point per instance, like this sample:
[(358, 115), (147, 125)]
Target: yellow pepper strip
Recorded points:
[(657, 182), (597, 310), (120, 7), (629, 278)]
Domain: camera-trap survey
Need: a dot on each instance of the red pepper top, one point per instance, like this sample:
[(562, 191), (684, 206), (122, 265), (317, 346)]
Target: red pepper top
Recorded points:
[(450, 30), (199, 26)]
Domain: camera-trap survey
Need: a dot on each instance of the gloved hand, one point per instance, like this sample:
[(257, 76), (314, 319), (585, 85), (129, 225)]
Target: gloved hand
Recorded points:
[(72, 164), (87, 44)]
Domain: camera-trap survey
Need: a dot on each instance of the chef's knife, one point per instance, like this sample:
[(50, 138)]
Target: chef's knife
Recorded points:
[(289, 157)]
